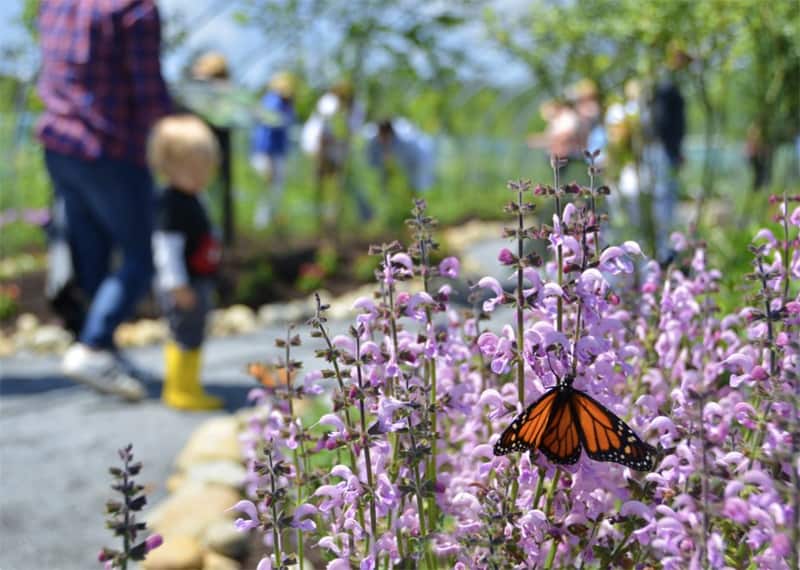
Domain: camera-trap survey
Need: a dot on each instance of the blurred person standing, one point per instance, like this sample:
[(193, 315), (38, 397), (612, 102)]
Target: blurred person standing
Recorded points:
[(102, 89), (562, 135), (211, 74), (184, 151), (396, 147), (405, 161), (664, 124), (589, 108), (622, 158), (327, 136), (756, 151), (270, 144)]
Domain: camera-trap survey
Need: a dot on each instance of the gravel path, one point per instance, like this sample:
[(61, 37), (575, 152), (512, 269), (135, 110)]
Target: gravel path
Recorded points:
[(57, 440)]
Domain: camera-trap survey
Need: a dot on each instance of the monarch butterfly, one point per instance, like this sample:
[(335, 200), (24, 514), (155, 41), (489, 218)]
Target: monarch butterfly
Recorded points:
[(267, 376), (565, 419)]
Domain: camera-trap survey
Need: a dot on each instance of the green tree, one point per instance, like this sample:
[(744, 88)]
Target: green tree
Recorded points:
[(770, 50), (381, 47), (612, 40)]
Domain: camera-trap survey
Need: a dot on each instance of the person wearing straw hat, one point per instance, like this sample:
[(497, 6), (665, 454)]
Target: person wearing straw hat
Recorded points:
[(270, 144), (209, 66)]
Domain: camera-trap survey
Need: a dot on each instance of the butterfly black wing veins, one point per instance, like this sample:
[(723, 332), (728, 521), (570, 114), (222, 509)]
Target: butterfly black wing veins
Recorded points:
[(564, 420), (519, 436)]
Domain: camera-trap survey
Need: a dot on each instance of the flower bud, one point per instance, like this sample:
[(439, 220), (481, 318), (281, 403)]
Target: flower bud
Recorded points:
[(505, 257), (153, 541)]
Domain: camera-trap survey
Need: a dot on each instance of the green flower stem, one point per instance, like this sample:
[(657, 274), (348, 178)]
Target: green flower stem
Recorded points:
[(392, 326), (539, 488), (795, 480), (551, 555), (348, 419), (430, 364), (520, 300), (704, 477), (786, 257), (548, 506), (298, 471), (393, 438), (340, 381), (551, 492), (276, 534), (593, 206), (420, 504), (520, 323), (400, 538), (126, 539), (578, 317), (773, 363), (432, 463), (373, 522), (620, 547), (559, 252)]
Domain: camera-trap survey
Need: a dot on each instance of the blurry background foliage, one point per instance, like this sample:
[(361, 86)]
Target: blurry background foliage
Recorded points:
[(473, 74)]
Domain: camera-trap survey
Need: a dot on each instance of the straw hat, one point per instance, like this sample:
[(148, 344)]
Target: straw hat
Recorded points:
[(583, 89), (343, 89), (210, 65), (283, 83)]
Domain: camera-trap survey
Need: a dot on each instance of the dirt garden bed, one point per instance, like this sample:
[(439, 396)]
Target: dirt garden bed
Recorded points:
[(252, 274)]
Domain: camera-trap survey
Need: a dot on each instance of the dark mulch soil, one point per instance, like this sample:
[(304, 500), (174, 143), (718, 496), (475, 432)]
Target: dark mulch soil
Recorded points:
[(284, 262)]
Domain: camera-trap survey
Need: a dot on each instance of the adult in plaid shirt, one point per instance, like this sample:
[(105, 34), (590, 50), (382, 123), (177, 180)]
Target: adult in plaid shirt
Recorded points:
[(102, 88)]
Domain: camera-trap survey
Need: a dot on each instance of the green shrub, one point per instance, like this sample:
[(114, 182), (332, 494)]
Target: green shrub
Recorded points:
[(9, 306), (310, 278), (327, 259), (256, 284), (364, 268)]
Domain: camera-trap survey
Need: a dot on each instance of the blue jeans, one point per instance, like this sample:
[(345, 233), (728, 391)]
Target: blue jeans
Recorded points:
[(188, 326), (109, 206), (666, 187)]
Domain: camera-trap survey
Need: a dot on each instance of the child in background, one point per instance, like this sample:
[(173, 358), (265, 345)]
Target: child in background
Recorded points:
[(270, 144), (183, 150)]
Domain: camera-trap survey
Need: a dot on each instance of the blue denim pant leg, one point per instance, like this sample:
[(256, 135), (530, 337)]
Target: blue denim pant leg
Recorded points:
[(188, 326), (666, 187), (109, 205)]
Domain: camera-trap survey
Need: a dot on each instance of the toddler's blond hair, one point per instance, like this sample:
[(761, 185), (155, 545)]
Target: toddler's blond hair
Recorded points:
[(184, 151)]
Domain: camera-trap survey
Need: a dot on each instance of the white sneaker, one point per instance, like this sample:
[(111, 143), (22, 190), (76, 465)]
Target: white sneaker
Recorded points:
[(99, 370)]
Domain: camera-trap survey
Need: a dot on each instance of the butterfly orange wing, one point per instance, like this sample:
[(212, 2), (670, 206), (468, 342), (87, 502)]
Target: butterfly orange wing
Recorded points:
[(561, 441), (607, 438), (525, 432), (263, 374)]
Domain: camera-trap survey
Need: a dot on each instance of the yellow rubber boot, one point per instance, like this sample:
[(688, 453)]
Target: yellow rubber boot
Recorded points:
[(182, 389)]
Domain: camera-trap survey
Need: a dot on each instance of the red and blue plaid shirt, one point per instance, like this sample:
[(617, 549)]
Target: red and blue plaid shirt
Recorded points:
[(101, 77)]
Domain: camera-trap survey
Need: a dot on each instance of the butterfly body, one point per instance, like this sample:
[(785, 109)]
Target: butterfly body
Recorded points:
[(564, 421)]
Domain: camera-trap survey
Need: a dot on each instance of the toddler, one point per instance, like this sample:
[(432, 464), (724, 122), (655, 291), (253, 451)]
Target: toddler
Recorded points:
[(184, 152)]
